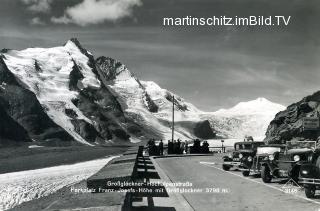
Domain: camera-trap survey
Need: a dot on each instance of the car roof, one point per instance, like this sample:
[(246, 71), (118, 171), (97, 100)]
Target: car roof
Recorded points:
[(274, 145), (302, 150), (249, 142)]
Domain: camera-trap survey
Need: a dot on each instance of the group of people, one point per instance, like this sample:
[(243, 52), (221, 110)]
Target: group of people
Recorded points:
[(153, 148), (198, 148), (178, 147)]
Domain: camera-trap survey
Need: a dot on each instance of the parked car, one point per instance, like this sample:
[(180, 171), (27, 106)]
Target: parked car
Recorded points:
[(288, 162), (243, 151), (310, 174), (266, 155)]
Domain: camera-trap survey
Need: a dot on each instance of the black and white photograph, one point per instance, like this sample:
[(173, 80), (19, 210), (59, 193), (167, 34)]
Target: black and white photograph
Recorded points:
[(160, 105)]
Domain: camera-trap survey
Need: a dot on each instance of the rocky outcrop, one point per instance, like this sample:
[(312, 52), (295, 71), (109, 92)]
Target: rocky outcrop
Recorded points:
[(288, 124), (86, 130), (152, 107), (74, 77), (180, 106), (203, 130), (104, 110), (110, 67), (11, 130)]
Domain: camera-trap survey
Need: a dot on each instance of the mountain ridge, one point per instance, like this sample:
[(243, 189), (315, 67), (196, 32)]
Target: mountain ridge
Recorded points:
[(76, 92), (96, 101)]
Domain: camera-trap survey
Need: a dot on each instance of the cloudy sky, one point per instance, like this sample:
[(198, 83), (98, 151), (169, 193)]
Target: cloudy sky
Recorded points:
[(211, 67)]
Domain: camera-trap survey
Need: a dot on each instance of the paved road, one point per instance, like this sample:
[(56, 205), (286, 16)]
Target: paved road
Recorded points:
[(231, 191)]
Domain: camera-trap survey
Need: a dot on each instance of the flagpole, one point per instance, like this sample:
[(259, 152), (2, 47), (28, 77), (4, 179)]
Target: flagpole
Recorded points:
[(172, 118)]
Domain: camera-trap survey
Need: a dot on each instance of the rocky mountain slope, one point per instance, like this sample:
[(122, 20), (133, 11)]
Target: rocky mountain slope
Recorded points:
[(150, 105), (288, 124), (245, 118), (63, 96)]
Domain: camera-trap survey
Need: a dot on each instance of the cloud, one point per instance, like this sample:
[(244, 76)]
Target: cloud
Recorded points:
[(36, 21), (97, 11), (38, 6), (61, 20)]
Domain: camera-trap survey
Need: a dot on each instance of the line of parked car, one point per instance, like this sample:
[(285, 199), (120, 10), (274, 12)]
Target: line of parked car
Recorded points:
[(297, 160)]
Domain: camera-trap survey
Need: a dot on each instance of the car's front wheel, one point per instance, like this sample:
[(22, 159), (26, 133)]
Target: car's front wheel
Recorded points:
[(245, 173), (265, 174), (225, 167), (310, 191)]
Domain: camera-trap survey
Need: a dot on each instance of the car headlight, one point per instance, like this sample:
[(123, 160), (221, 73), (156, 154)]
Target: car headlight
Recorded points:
[(230, 155), (240, 155), (296, 158), (249, 158), (271, 157)]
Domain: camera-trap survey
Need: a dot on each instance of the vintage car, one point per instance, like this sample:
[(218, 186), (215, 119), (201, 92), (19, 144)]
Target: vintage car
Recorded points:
[(265, 155), (242, 151), (287, 163), (310, 174)]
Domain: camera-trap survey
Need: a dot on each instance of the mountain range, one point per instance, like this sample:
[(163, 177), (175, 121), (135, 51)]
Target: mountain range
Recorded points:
[(246, 118), (64, 96)]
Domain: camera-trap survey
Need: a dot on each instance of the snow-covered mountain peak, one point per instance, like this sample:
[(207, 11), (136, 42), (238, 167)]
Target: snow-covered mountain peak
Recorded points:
[(47, 72), (249, 118), (74, 42), (262, 99), (260, 106)]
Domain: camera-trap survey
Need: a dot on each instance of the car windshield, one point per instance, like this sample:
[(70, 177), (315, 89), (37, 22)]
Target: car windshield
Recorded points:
[(301, 145), (243, 146), (257, 144), (249, 145), (267, 150)]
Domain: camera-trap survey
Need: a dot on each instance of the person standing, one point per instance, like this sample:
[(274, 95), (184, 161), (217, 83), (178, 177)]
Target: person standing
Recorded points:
[(170, 147), (182, 148), (178, 147), (174, 147), (186, 146), (161, 147)]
